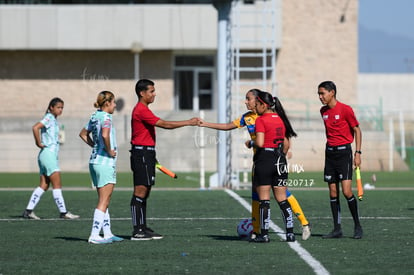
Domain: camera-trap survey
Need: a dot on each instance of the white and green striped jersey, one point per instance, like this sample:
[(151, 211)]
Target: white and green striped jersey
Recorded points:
[(97, 122), (50, 132)]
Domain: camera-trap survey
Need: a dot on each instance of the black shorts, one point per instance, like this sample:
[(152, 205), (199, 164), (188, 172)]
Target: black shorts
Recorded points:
[(270, 167), (143, 161), (338, 163)]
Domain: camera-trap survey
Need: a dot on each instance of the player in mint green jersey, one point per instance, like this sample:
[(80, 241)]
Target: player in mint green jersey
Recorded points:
[(46, 135), (99, 133)]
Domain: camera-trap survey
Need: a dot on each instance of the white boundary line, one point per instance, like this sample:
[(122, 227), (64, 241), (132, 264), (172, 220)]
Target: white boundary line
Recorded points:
[(200, 219), (80, 188), (303, 253), (120, 219)]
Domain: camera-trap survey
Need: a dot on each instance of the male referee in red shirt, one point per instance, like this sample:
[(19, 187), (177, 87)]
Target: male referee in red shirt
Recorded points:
[(143, 158), (341, 126)]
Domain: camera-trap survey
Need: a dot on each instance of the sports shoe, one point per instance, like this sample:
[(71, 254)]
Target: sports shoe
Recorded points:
[(290, 237), (99, 240), (115, 239), (358, 232), (141, 235), (29, 214), (306, 232), (253, 235), (334, 234), (68, 216), (261, 239), (154, 235)]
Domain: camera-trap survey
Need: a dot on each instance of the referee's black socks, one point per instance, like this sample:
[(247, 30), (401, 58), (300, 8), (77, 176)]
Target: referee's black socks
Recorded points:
[(138, 213), (336, 212), (353, 207)]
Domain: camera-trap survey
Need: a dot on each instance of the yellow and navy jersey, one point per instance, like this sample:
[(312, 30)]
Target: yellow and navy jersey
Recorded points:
[(247, 120)]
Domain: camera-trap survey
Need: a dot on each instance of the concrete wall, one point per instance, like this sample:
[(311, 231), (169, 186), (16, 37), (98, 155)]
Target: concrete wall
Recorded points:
[(180, 149), (86, 27), (317, 46), (113, 27), (394, 91), (30, 98)]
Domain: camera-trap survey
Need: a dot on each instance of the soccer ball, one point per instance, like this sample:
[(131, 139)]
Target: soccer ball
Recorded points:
[(245, 228)]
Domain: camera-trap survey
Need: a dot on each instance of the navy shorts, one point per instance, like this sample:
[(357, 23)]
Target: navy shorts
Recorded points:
[(143, 161), (338, 163), (270, 167)]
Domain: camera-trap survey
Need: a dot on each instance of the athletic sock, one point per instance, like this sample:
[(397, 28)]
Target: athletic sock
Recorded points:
[(297, 210), (353, 207), (106, 226), (98, 218), (255, 212), (60, 202), (144, 209), (138, 213), (35, 198), (264, 210), (336, 213), (287, 215)]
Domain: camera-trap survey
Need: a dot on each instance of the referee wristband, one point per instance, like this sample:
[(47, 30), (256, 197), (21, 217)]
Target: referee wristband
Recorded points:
[(358, 152)]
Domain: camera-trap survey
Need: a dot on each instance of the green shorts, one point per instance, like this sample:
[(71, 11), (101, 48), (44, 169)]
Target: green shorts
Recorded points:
[(102, 174), (48, 162)]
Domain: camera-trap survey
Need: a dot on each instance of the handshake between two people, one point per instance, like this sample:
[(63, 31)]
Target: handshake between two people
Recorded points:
[(219, 126), (196, 121)]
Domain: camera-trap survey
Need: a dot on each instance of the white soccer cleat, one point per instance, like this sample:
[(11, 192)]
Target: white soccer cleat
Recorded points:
[(68, 216), (114, 239), (28, 214), (99, 240), (306, 232)]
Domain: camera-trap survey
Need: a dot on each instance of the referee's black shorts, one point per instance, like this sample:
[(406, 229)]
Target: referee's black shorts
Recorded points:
[(338, 163), (143, 160), (270, 167)]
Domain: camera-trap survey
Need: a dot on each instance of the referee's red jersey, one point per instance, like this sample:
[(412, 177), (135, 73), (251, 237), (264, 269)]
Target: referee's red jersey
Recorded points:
[(143, 126), (339, 122)]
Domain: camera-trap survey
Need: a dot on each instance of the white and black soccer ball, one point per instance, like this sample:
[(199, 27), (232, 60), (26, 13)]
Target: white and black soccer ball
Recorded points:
[(245, 228)]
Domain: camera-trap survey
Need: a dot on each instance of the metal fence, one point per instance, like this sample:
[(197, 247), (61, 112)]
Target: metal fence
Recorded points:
[(388, 141)]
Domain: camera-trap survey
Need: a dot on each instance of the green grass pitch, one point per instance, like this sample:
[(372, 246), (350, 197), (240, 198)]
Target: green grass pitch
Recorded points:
[(200, 230)]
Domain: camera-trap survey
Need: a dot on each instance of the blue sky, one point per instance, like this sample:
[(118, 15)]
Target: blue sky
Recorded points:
[(391, 16), (386, 36)]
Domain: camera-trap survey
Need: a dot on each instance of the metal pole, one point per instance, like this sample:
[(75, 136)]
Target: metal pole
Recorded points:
[(391, 145), (202, 155), (136, 66), (136, 49), (223, 9), (402, 134)]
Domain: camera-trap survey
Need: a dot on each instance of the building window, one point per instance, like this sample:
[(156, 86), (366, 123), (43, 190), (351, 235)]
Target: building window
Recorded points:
[(194, 80)]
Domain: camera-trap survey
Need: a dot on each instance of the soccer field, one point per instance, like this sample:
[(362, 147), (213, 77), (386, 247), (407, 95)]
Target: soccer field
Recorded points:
[(200, 231)]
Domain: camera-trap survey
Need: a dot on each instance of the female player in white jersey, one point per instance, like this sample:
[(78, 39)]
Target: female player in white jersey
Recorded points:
[(102, 164), (46, 135)]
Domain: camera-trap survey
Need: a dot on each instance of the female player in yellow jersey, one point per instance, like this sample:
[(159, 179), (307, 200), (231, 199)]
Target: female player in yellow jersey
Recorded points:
[(248, 120)]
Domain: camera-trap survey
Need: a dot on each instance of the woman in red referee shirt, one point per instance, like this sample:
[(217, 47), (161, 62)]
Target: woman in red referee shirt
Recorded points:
[(143, 123), (273, 131), (341, 127)]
